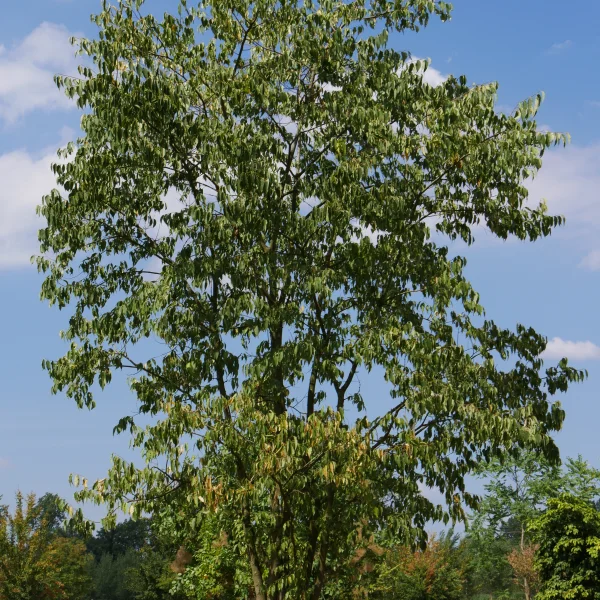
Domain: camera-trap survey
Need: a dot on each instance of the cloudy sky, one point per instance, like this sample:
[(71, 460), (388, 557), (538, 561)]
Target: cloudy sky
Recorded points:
[(552, 285)]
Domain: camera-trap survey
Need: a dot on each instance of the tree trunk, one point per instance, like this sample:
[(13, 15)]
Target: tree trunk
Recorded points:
[(525, 582), (257, 578), (259, 590)]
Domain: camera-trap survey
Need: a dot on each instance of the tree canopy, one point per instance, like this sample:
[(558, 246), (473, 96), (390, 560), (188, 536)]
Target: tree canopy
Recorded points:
[(517, 493), (126, 536), (35, 562), (258, 213), (568, 558)]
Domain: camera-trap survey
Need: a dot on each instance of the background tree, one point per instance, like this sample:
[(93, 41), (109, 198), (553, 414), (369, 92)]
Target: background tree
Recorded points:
[(52, 512), (34, 562), (110, 575), (68, 566), (490, 575), (580, 479), (254, 192), (568, 558), (516, 491), (128, 535), (522, 561), (153, 577), (435, 573), (133, 562)]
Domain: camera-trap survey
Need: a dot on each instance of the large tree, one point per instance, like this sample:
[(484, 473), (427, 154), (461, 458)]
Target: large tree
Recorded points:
[(266, 190)]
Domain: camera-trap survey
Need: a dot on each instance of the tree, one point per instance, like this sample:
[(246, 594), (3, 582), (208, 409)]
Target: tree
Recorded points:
[(522, 561), (568, 557), (517, 491), (159, 565), (52, 512), (245, 226), (69, 562), (580, 480), (128, 535), (110, 575), (34, 562), (435, 573), (153, 578), (131, 562), (490, 572), (215, 570)]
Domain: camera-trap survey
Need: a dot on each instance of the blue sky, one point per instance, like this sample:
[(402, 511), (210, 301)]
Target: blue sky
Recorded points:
[(552, 285)]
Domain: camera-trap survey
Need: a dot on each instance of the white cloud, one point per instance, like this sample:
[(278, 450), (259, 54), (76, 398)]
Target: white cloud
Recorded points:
[(560, 46), (558, 348), (431, 76), (434, 77), (591, 261), (570, 182), (328, 87), (25, 179), (5, 463), (27, 71)]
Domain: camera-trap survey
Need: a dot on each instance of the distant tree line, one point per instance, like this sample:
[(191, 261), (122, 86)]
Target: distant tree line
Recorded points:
[(536, 534), (41, 557)]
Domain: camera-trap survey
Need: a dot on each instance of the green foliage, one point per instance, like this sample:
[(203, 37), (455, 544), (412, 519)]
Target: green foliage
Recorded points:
[(581, 480), (34, 561), (71, 565), (218, 570), (132, 562), (434, 573), (129, 535), (52, 512), (568, 558), (517, 489), (152, 578), (517, 492), (212, 239), (110, 576), (490, 573)]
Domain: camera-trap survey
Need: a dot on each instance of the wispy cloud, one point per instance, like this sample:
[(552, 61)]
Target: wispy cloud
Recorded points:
[(558, 348), (560, 47), (5, 463), (25, 179), (27, 71), (570, 182)]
